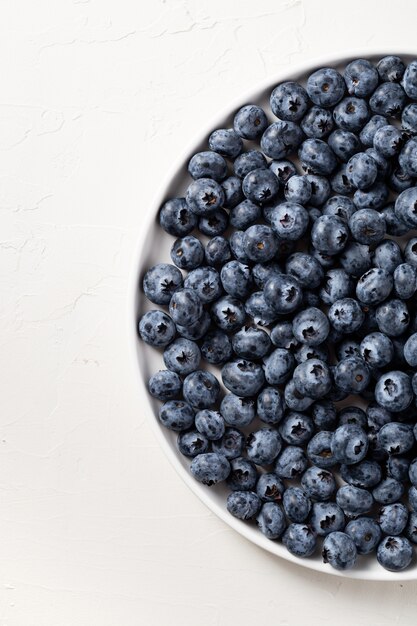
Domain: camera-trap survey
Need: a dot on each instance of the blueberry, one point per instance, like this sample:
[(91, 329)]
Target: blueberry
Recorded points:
[(197, 329), (231, 445), (405, 207), (237, 411), (280, 139), (270, 488), (320, 189), (185, 307), (294, 399), (263, 446), (412, 472), (329, 234), (410, 80), (244, 214), (300, 540), (208, 165), (351, 114), (339, 550), (353, 500), (282, 337), (228, 313), (373, 198), (361, 78), (393, 317), (411, 528), (317, 122), (367, 226), (243, 504), (305, 352), (352, 415), (374, 286), (160, 282), (217, 251), (326, 518), (190, 443), (283, 170), (216, 347), (393, 518), (349, 444), (396, 438), (236, 279), (248, 161), (397, 467), (298, 189), (365, 474), (311, 326), (399, 181), (352, 375), (210, 424), (259, 309), (346, 315), (201, 389), (210, 468), (365, 533), (325, 87), (262, 271), (270, 405), (226, 142), (324, 416), (176, 218), (243, 378), (367, 133), (237, 246), (409, 118), (250, 122), (289, 101), (410, 252), (278, 366), (336, 285), (340, 206), (377, 350), (206, 283), (355, 259), (271, 520), (204, 196), (395, 226), (412, 498), (214, 224), (291, 462), (388, 140), (318, 484), (388, 99), (408, 157), (305, 269), (317, 157), (233, 194), (388, 255), (340, 182), (289, 220), (296, 428), (260, 185), (410, 350), (251, 343), (176, 415), (296, 503), (312, 378), (347, 348), (390, 68), (261, 243), (156, 328), (165, 385), (283, 293), (388, 491), (394, 553), (344, 144), (361, 170)]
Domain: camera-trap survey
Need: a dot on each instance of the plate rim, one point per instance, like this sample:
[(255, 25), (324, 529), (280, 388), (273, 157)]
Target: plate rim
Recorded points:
[(289, 72)]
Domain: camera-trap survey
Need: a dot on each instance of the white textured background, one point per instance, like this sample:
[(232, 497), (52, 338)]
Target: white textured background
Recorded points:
[(96, 100)]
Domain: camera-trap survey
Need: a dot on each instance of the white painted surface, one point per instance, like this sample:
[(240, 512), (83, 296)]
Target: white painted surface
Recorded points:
[(97, 98)]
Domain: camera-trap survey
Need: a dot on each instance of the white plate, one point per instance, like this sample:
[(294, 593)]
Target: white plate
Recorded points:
[(153, 247)]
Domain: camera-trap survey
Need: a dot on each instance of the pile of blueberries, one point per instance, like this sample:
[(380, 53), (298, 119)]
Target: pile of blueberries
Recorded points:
[(291, 276)]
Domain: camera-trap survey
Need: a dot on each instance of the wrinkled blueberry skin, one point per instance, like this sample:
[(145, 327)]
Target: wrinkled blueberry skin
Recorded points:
[(394, 553), (300, 540)]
